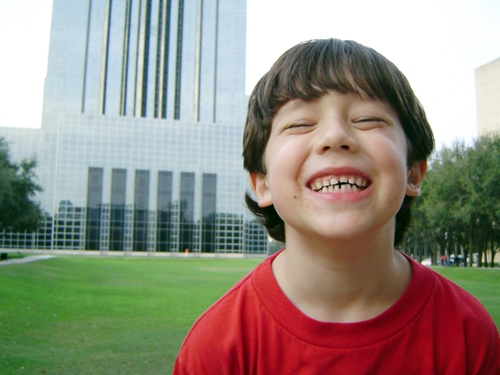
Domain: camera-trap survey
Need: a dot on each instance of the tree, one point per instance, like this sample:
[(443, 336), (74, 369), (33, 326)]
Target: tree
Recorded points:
[(460, 210), (485, 195), (18, 211)]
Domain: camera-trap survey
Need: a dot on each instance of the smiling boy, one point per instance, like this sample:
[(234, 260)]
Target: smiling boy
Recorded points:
[(336, 145)]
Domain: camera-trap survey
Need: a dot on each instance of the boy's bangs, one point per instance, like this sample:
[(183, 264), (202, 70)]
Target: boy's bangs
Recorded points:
[(314, 71)]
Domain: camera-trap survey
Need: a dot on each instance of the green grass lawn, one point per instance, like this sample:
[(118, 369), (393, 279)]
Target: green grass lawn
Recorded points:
[(77, 315), (74, 315)]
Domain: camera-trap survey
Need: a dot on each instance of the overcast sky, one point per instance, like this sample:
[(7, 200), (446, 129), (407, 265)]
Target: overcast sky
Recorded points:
[(436, 43)]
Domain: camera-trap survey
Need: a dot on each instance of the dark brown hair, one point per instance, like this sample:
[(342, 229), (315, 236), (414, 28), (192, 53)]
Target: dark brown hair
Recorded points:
[(308, 71)]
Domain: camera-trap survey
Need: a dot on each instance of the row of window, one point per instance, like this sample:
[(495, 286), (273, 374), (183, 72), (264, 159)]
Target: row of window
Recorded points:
[(65, 234), (123, 226)]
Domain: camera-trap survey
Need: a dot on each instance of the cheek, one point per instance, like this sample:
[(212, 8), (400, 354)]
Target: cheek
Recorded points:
[(392, 148), (283, 175), (391, 157), (281, 161)]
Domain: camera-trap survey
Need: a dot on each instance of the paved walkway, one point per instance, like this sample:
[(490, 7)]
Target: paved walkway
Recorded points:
[(26, 259)]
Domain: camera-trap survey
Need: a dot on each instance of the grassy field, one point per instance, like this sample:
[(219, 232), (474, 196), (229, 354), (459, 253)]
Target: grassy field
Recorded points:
[(73, 315), (105, 316)]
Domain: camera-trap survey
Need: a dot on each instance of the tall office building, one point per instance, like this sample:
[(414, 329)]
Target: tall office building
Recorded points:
[(140, 144), (488, 97)]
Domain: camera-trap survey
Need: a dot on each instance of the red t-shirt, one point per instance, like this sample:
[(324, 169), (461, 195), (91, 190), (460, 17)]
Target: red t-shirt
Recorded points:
[(434, 328)]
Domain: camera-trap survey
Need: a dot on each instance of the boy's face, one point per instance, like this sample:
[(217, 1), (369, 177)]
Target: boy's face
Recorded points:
[(336, 167)]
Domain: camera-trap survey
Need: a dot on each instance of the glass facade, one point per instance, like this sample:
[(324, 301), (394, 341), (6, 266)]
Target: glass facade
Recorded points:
[(186, 212), (164, 211), (141, 210), (94, 206), (208, 217), (140, 145), (117, 210)]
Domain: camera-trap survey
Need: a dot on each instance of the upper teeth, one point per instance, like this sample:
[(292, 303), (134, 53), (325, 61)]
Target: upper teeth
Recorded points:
[(333, 183)]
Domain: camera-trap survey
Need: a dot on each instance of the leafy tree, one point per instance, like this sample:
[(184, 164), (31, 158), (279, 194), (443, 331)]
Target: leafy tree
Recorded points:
[(18, 212), (485, 194), (459, 208)]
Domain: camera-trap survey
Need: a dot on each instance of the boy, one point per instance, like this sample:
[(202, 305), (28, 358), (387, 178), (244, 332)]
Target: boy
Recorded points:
[(336, 144)]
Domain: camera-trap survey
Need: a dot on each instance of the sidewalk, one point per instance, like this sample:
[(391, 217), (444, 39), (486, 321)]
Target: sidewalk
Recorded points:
[(26, 259)]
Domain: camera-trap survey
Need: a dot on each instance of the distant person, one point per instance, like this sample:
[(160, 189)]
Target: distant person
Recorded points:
[(336, 145)]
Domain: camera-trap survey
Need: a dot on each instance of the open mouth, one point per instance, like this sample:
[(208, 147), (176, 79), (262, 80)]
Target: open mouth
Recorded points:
[(340, 184)]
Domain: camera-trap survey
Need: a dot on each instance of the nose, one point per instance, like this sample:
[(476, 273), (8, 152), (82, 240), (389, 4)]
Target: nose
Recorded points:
[(336, 135)]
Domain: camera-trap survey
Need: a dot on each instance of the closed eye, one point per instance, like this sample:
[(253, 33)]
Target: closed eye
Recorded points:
[(370, 119), (299, 127), (369, 122)]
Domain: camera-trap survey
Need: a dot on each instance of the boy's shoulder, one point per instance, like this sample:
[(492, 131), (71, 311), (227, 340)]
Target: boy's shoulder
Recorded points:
[(461, 325), (217, 337), (448, 294), (454, 306)]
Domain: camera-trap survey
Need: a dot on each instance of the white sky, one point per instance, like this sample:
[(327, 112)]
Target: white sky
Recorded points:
[(436, 43)]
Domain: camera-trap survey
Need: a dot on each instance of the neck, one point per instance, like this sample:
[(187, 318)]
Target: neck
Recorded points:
[(342, 281)]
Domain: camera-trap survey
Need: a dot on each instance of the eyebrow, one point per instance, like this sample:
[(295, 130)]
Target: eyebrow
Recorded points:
[(295, 102)]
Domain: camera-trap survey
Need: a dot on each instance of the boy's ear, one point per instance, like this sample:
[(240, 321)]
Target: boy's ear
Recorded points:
[(260, 187), (415, 177)]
